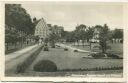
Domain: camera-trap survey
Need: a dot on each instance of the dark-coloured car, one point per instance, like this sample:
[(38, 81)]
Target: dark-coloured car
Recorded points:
[(104, 55), (111, 55), (97, 55)]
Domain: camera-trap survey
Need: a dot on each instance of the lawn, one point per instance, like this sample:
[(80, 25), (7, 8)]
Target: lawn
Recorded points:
[(116, 48), (73, 60)]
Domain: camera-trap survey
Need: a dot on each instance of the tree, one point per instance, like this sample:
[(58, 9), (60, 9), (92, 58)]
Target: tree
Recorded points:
[(77, 36), (117, 34), (89, 35), (17, 20), (81, 27), (80, 33), (103, 38), (53, 38), (17, 17), (89, 32), (69, 36), (11, 36)]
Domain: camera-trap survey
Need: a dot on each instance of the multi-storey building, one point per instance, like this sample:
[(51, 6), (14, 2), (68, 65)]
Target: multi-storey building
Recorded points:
[(41, 29), (56, 29)]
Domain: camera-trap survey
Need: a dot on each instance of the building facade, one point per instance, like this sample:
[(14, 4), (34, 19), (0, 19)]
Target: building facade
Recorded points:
[(96, 35), (55, 29), (41, 29)]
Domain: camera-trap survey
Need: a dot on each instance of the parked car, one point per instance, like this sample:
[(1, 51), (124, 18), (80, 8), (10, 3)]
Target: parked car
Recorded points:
[(75, 50), (104, 55), (65, 49), (97, 55), (111, 55)]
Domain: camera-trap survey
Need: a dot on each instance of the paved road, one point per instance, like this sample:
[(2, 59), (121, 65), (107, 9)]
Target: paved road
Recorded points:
[(13, 59), (73, 48), (11, 56)]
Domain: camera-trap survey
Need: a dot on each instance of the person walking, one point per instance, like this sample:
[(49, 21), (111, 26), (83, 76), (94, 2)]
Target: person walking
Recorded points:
[(40, 40)]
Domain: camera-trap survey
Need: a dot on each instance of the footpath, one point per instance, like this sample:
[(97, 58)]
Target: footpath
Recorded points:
[(73, 48), (13, 60), (14, 55)]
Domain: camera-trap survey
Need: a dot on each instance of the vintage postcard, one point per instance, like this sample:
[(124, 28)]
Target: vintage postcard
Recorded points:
[(63, 41), (63, 82)]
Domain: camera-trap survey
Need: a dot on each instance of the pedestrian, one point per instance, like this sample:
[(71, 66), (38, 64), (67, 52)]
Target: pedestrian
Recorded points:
[(27, 42), (40, 41)]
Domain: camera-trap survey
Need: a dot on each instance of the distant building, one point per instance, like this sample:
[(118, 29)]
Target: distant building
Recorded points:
[(96, 34), (41, 29), (56, 29)]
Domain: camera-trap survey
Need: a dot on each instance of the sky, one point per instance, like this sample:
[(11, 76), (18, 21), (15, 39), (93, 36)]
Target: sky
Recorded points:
[(71, 14)]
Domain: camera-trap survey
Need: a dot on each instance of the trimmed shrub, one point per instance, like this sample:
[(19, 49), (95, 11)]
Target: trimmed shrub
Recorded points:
[(75, 50), (45, 66), (114, 56), (20, 68), (53, 46), (45, 48), (98, 55), (23, 66), (65, 49)]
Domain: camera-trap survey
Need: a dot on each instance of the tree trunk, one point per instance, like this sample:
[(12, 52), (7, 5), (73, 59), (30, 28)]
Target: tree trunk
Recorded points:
[(83, 43), (103, 50), (15, 44), (90, 46), (52, 44), (78, 42)]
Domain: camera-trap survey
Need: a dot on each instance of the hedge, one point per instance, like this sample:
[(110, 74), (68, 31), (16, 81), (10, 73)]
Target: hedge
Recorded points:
[(23, 66), (45, 66)]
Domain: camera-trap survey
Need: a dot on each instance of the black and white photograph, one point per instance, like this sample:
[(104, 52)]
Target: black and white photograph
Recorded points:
[(63, 82), (64, 39)]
